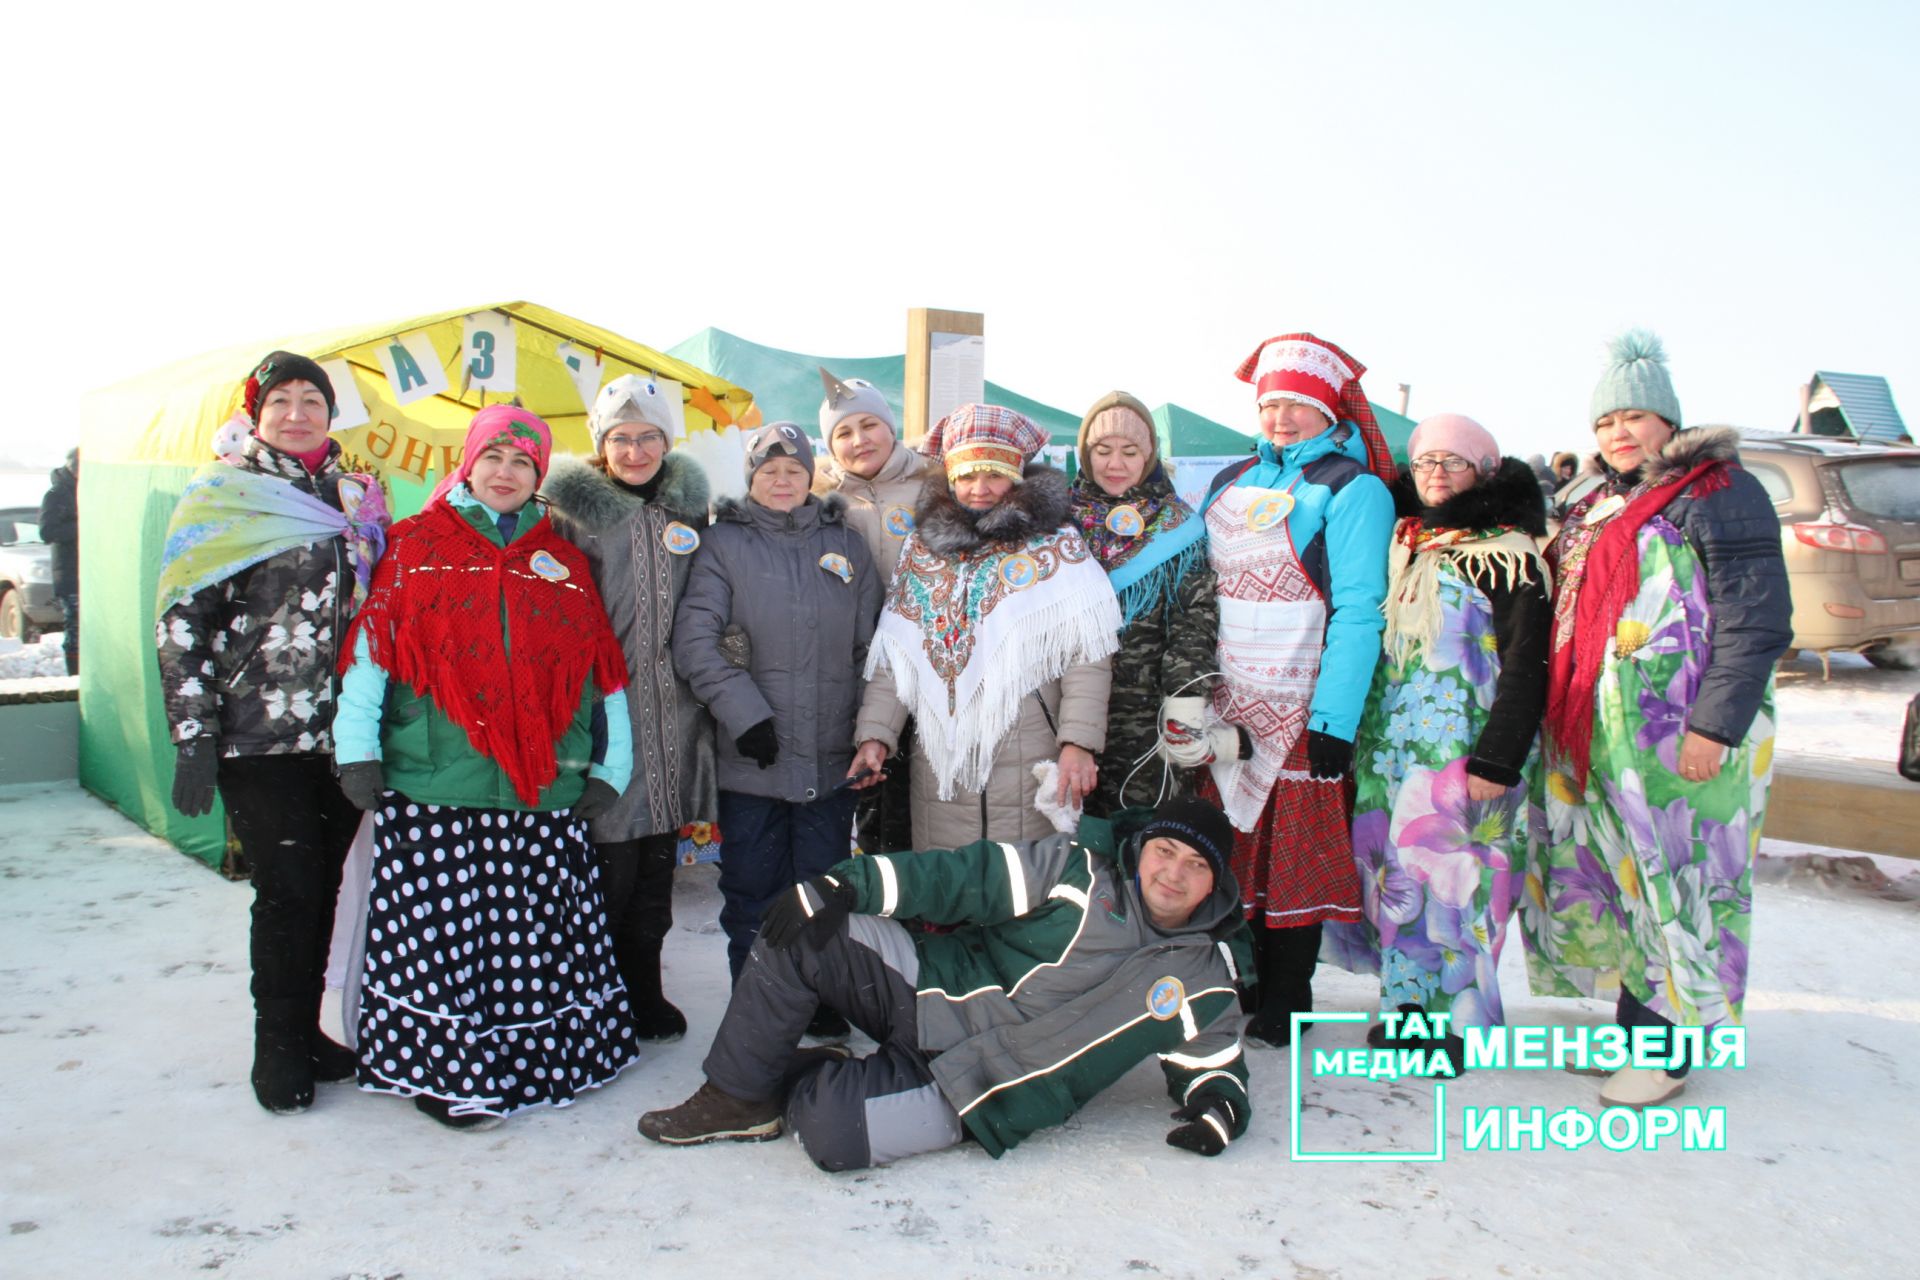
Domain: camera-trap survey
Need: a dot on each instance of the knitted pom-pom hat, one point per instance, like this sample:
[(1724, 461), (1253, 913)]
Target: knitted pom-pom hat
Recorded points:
[(1636, 378)]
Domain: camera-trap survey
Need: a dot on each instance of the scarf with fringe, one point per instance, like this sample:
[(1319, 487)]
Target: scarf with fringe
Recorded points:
[(231, 518), (967, 638), (1412, 606), (1599, 574), (445, 605), (1146, 569)]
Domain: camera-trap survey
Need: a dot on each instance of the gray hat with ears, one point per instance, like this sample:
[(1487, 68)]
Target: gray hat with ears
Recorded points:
[(778, 440), (846, 397)]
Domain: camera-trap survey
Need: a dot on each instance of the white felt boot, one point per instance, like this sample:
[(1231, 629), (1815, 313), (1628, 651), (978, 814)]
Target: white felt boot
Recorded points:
[(1639, 1087)]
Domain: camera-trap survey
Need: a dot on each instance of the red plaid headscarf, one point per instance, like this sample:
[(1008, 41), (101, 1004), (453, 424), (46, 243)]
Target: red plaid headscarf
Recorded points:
[(1299, 366), (984, 437)]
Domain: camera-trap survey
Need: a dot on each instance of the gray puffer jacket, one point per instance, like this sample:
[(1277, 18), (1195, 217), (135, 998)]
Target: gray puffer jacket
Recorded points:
[(803, 589), (1736, 533), (642, 572)]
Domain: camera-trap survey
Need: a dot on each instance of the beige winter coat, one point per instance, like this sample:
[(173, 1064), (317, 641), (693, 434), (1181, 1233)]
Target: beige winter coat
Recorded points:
[(1071, 709), (894, 491)]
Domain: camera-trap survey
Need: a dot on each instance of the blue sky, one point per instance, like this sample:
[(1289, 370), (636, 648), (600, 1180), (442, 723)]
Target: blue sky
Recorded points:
[(1469, 198)]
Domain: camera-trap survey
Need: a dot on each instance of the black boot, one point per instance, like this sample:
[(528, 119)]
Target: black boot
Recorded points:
[(282, 1065), (655, 1019), (332, 1061), (1288, 958)]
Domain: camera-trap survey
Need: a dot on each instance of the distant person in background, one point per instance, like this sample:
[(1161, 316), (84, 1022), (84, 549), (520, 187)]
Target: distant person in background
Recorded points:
[(1565, 467), (60, 530), (637, 509), (1154, 549), (265, 559), (881, 479), (1670, 609)]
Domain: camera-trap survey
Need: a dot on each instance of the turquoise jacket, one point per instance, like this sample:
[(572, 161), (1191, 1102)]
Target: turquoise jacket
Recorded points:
[(1342, 522), (430, 760)]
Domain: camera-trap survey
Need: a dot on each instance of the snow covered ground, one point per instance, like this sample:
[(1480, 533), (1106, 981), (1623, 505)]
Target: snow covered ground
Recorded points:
[(38, 660), (131, 1144)]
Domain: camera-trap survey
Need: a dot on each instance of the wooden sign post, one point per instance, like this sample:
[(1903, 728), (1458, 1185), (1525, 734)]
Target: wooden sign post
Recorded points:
[(946, 367)]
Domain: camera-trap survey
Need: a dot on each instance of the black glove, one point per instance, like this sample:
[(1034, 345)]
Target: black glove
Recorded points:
[(595, 800), (195, 762), (1208, 1128), (1328, 756), (760, 744), (363, 783), (813, 908)]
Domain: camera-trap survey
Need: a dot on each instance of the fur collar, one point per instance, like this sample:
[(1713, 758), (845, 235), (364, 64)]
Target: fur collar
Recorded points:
[(591, 500), (1038, 504), (1510, 496), (1689, 448), (832, 509)]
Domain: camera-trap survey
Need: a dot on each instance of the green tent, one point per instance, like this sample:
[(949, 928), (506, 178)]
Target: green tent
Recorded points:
[(786, 386)]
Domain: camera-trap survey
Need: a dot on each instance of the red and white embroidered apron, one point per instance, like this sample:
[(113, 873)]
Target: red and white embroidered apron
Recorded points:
[(1292, 848)]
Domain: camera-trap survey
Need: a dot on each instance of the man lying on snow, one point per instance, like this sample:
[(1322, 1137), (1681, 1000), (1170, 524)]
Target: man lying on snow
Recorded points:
[(1072, 964)]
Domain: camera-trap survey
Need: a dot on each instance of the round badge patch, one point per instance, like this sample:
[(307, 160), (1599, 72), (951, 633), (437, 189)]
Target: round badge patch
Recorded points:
[(836, 564), (543, 563), (899, 521), (1269, 511), (679, 539), (1018, 571), (1125, 521), (1165, 997), (1607, 509)]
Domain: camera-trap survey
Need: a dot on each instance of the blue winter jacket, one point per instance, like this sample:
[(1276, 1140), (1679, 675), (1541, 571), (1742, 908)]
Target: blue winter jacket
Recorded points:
[(1342, 523)]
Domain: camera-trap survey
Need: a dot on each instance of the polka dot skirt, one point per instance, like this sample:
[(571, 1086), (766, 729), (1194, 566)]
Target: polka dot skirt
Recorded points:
[(490, 980)]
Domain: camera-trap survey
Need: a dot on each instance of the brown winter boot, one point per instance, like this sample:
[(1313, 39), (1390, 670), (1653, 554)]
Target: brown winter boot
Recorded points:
[(712, 1116)]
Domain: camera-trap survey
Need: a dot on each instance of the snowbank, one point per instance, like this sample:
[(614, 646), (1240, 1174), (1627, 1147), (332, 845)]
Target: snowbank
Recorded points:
[(34, 661)]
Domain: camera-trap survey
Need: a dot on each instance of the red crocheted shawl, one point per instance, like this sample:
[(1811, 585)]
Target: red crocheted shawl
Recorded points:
[(434, 616), (1608, 583)]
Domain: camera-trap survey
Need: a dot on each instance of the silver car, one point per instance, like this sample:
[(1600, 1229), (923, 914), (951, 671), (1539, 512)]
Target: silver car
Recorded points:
[(27, 606)]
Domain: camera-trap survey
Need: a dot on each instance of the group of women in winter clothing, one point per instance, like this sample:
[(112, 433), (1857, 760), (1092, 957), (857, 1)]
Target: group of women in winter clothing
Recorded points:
[(559, 663)]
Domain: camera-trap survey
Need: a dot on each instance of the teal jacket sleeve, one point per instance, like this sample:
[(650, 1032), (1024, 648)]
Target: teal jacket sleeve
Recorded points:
[(356, 718), (1358, 530), (615, 765)]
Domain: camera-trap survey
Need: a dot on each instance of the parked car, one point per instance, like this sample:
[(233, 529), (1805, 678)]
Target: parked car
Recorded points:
[(27, 606), (1850, 527)]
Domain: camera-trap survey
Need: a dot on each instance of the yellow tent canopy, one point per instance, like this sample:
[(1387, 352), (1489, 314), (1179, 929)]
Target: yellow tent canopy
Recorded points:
[(407, 390)]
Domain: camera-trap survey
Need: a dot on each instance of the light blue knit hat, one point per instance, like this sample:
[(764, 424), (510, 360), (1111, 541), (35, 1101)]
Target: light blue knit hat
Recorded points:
[(1636, 378)]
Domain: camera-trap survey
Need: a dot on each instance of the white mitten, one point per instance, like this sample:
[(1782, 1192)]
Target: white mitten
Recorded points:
[(1190, 736), (1065, 818)]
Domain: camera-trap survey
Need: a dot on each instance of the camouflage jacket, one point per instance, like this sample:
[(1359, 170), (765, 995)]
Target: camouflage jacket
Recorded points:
[(250, 660), (1160, 650)]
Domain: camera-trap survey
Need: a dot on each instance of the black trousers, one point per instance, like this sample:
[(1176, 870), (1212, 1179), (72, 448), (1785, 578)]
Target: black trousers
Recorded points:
[(1630, 1013), (295, 825), (637, 878), (883, 821)]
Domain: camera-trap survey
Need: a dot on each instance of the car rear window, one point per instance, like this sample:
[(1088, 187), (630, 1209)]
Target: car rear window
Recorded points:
[(1772, 479), (1885, 488)]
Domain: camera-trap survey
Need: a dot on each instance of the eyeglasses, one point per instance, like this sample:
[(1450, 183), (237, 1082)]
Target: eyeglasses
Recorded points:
[(651, 441), (1451, 465)]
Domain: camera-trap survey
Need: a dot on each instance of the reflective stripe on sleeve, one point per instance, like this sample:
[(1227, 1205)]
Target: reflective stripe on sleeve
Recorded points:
[(1017, 878)]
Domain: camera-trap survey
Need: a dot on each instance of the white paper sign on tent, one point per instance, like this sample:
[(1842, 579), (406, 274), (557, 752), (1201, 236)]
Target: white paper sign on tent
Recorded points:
[(489, 350), (585, 368), (412, 367), (670, 393), (346, 396)]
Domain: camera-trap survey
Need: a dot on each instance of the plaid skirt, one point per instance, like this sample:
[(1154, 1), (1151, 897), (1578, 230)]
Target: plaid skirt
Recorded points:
[(1296, 866), (490, 980)]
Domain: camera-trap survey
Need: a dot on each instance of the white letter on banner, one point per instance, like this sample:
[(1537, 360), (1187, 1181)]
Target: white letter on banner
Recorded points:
[(1486, 1048), (489, 344), (1571, 1128), (412, 367), (1569, 1048), (1729, 1046), (1610, 1136), (1706, 1129), (1610, 1048), (1482, 1128), (584, 368), (1329, 1062), (1534, 1126), (1689, 1045), (346, 396), (1657, 1123), (1529, 1047)]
